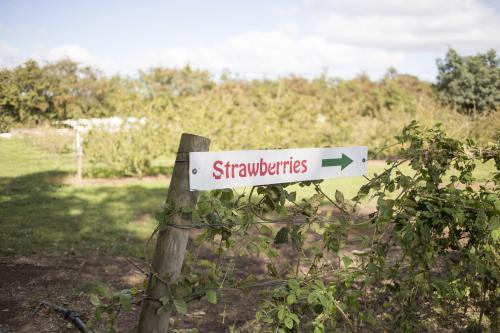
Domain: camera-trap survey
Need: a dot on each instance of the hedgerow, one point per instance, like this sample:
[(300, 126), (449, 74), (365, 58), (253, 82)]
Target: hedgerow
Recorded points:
[(290, 112), (236, 114)]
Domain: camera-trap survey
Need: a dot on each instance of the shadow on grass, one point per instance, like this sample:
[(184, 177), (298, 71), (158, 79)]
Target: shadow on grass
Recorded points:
[(105, 172), (39, 214)]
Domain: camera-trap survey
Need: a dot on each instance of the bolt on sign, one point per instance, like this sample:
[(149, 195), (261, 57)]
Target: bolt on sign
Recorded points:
[(228, 169)]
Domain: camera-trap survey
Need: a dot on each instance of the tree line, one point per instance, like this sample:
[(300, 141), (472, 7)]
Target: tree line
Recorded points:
[(33, 93)]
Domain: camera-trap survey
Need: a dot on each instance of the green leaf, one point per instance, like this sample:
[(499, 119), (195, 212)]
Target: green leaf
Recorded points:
[(94, 299), (290, 299), (272, 270), (289, 322), (494, 223), (293, 284), (281, 313), (311, 298), (294, 317), (180, 306), (324, 301), (282, 236), (339, 197), (371, 268), (163, 300), (227, 196), (292, 196), (98, 313), (265, 230), (161, 310), (318, 330), (495, 235), (346, 260), (205, 263), (497, 205), (126, 299), (316, 227), (211, 296), (252, 247)]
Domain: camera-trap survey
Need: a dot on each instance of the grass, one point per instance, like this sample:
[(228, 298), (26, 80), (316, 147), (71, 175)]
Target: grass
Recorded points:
[(38, 213), (41, 214)]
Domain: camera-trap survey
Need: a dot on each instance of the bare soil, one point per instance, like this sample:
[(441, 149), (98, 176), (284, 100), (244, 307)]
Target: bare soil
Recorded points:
[(24, 281), (58, 279)]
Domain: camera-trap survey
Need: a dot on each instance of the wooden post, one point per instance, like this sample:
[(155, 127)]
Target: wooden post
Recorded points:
[(171, 244), (79, 155)]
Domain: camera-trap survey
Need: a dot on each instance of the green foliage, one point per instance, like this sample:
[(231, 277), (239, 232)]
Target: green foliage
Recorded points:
[(23, 95), (125, 153), (104, 304), (428, 257), (164, 82), (31, 94), (235, 114), (249, 115), (470, 83), (444, 225)]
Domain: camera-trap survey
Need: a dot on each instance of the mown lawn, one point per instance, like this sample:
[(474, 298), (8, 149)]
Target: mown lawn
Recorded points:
[(41, 213)]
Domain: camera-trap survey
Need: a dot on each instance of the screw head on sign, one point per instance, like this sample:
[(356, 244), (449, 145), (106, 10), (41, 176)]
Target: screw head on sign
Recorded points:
[(194, 171), (363, 160)]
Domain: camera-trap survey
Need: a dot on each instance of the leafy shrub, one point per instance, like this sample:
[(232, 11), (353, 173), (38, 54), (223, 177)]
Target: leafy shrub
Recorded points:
[(430, 252), (470, 83), (127, 152), (54, 141), (427, 258), (290, 112), (235, 114)]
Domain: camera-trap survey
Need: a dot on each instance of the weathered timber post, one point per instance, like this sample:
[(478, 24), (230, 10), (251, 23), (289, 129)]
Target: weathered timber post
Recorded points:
[(171, 243), (79, 155)]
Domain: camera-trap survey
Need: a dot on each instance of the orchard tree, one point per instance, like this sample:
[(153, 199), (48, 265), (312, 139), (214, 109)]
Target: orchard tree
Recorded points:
[(76, 90), (470, 83), (24, 94), (160, 81)]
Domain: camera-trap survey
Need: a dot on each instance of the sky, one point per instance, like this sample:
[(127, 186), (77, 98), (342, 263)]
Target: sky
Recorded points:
[(249, 39)]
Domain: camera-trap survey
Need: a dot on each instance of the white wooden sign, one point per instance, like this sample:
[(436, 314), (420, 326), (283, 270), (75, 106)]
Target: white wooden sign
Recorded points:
[(228, 169)]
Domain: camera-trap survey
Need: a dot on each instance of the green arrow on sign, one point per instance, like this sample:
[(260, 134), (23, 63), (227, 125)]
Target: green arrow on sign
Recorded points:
[(342, 162)]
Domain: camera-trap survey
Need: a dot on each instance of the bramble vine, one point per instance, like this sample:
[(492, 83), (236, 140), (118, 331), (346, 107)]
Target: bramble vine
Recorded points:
[(427, 252)]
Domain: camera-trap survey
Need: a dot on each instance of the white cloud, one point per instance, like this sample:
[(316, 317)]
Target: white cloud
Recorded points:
[(75, 53), (9, 55), (347, 37), (423, 25), (274, 53), (391, 7), (344, 37)]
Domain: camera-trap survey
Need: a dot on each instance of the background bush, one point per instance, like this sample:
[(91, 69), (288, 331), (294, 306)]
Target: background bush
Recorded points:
[(242, 114), (289, 112), (472, 83)]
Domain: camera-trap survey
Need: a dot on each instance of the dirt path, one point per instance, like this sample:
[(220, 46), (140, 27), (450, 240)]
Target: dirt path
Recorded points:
[(58, 279), (24, 281)]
